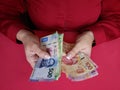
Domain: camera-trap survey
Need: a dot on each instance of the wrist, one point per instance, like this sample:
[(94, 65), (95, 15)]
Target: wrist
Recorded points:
[(90, 34), (86, 37)]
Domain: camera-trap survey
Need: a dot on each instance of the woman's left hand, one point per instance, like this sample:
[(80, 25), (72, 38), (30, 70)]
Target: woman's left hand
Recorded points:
[(83, 44)]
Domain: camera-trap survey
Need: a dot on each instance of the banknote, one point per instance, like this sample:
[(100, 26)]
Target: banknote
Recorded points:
[(49, 69), (84, 76), (84, 68), (44, 70)]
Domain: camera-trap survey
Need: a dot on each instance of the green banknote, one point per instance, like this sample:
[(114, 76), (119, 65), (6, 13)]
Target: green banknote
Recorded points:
[(49, 69)]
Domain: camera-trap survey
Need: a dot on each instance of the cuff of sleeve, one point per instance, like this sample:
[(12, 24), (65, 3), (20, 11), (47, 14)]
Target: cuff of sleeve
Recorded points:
[(99, 34), (13, 30)]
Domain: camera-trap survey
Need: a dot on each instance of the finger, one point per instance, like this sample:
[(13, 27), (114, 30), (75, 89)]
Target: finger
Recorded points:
[(32, 64), (73, 52), (86, 51), (42, 54), (67, 47), (32, 59), (63, 54), (66, 61)]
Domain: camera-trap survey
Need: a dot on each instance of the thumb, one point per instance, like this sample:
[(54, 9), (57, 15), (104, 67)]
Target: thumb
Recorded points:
[(68, 58), (74, 51), (42, 54)]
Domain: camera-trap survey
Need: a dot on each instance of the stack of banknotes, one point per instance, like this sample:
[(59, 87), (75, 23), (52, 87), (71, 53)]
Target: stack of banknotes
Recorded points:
[(83, 68), (50, 69)]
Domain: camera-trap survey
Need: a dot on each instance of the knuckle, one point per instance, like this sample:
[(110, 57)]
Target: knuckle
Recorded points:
[(75, 50)]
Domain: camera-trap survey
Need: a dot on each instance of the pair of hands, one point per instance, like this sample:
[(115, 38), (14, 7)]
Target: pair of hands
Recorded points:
[(33, 51)]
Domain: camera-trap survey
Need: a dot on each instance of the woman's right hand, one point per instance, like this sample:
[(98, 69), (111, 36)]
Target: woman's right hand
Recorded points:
[(32, 46)]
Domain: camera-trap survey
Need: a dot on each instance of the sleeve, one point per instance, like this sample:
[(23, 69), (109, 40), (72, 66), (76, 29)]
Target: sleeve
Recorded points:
[(11, 17), (108, 26)]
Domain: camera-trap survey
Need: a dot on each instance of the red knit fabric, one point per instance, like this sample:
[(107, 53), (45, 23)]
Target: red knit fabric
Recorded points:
[(100, 16)]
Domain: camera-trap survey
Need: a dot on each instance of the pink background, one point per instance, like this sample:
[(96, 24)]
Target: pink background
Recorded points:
[(15, 71)]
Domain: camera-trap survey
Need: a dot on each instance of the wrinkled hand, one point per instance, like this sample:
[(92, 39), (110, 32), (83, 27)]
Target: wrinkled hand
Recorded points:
[(66, 48), (32, 46), (83, 44)]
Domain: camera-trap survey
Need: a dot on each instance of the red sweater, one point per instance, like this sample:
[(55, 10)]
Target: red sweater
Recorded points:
[(102, 17)]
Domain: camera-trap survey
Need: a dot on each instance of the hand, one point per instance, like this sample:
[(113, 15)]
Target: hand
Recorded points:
[(66, 48), (83, 44), (32, 46)]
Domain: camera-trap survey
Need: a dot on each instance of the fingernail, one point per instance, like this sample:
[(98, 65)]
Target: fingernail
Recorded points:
[(69, 56), (66, 61), (47, 57)]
